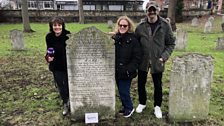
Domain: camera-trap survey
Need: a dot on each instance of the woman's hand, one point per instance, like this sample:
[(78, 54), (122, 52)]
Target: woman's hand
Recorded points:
[(111, 33), (50, 59)]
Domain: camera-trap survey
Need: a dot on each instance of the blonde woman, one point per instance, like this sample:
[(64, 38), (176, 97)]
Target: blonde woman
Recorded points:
[(127, 59)]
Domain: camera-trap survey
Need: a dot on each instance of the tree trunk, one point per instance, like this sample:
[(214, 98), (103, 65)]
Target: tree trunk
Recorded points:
[(219, 11), (171, 13), (81, 14), (25, 17)]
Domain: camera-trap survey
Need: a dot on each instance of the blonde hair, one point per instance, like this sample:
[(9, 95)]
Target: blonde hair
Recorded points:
[(131, 26)]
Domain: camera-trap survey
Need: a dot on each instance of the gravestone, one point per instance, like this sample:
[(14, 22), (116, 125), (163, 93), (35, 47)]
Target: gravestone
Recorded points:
[(110, 24), (208, 27), (220, 44), (16, 37), (194, 22), (181, 39), (190, 84), (90, 59), (222, 25), (223, 19), (209, 24), (211, 19)]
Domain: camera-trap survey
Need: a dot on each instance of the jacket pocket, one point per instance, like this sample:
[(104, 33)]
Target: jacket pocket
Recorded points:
[(158, 66)]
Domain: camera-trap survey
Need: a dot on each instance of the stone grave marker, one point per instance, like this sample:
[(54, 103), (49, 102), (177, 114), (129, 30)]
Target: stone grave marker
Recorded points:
[(209, 24), (220, 44), (190, 84), (208, 27), (181, 39), (211, 19), (194, 22), (90, 59), (223, 19), (222, 25), (16, 37), (110, 24)]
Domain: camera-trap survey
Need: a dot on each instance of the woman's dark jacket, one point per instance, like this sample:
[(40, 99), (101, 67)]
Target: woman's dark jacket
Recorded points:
[(127, 55), (58, 43)]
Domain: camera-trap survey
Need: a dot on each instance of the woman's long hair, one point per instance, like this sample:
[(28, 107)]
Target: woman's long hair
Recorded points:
[(131, 26)]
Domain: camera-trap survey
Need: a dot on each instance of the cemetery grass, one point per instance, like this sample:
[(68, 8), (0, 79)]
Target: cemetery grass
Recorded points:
[(28, 95)]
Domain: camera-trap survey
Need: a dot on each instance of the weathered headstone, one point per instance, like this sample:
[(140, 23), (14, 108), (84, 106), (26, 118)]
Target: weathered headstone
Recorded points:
[(181, 39), (195, 22), (211, 19), (220, 44), (16, 37), (222, 25), (190, 84), (209, 24), (223, 19), (90, 59), (110, 24), (208, 27)]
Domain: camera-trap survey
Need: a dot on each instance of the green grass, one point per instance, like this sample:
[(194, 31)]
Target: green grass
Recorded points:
[(28, 95)]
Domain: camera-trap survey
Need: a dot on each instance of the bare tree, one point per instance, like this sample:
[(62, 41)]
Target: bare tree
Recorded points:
[(25, 17), (81, 14), (171, 13), (219, 11)]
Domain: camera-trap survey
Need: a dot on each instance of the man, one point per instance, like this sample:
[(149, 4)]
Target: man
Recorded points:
[(157, 41)]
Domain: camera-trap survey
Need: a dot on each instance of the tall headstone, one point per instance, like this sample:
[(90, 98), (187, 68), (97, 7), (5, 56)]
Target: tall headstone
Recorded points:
[(181, 39), (194, 22), (190, 84), (110, 24), (209, 24), (208, 27), (222, 25), (222, 18), (211, 19), (220, 44), (16, 37), (90, 59)]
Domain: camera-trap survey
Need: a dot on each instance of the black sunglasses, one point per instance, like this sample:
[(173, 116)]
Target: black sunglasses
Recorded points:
[(151, 9), (120, 25)]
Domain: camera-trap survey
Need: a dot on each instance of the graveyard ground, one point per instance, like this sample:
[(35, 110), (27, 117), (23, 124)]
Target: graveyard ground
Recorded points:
[(28, 96)]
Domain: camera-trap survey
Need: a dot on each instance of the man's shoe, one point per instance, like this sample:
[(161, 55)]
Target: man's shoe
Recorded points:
[(65, 110), (128, 113), (158, 112), (140, 108)]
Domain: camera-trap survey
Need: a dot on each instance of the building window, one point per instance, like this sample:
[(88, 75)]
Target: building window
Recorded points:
[(48, 5), (32, 5)]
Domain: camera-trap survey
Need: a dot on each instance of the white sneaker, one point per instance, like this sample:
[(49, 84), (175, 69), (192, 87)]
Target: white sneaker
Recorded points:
[(140, 108), (158, 112)]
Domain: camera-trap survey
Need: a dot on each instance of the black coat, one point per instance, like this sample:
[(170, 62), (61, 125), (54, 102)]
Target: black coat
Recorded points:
[(58, 43), (127, 55)]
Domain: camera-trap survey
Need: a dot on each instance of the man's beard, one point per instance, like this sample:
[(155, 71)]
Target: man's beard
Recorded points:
[(151, 18)]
